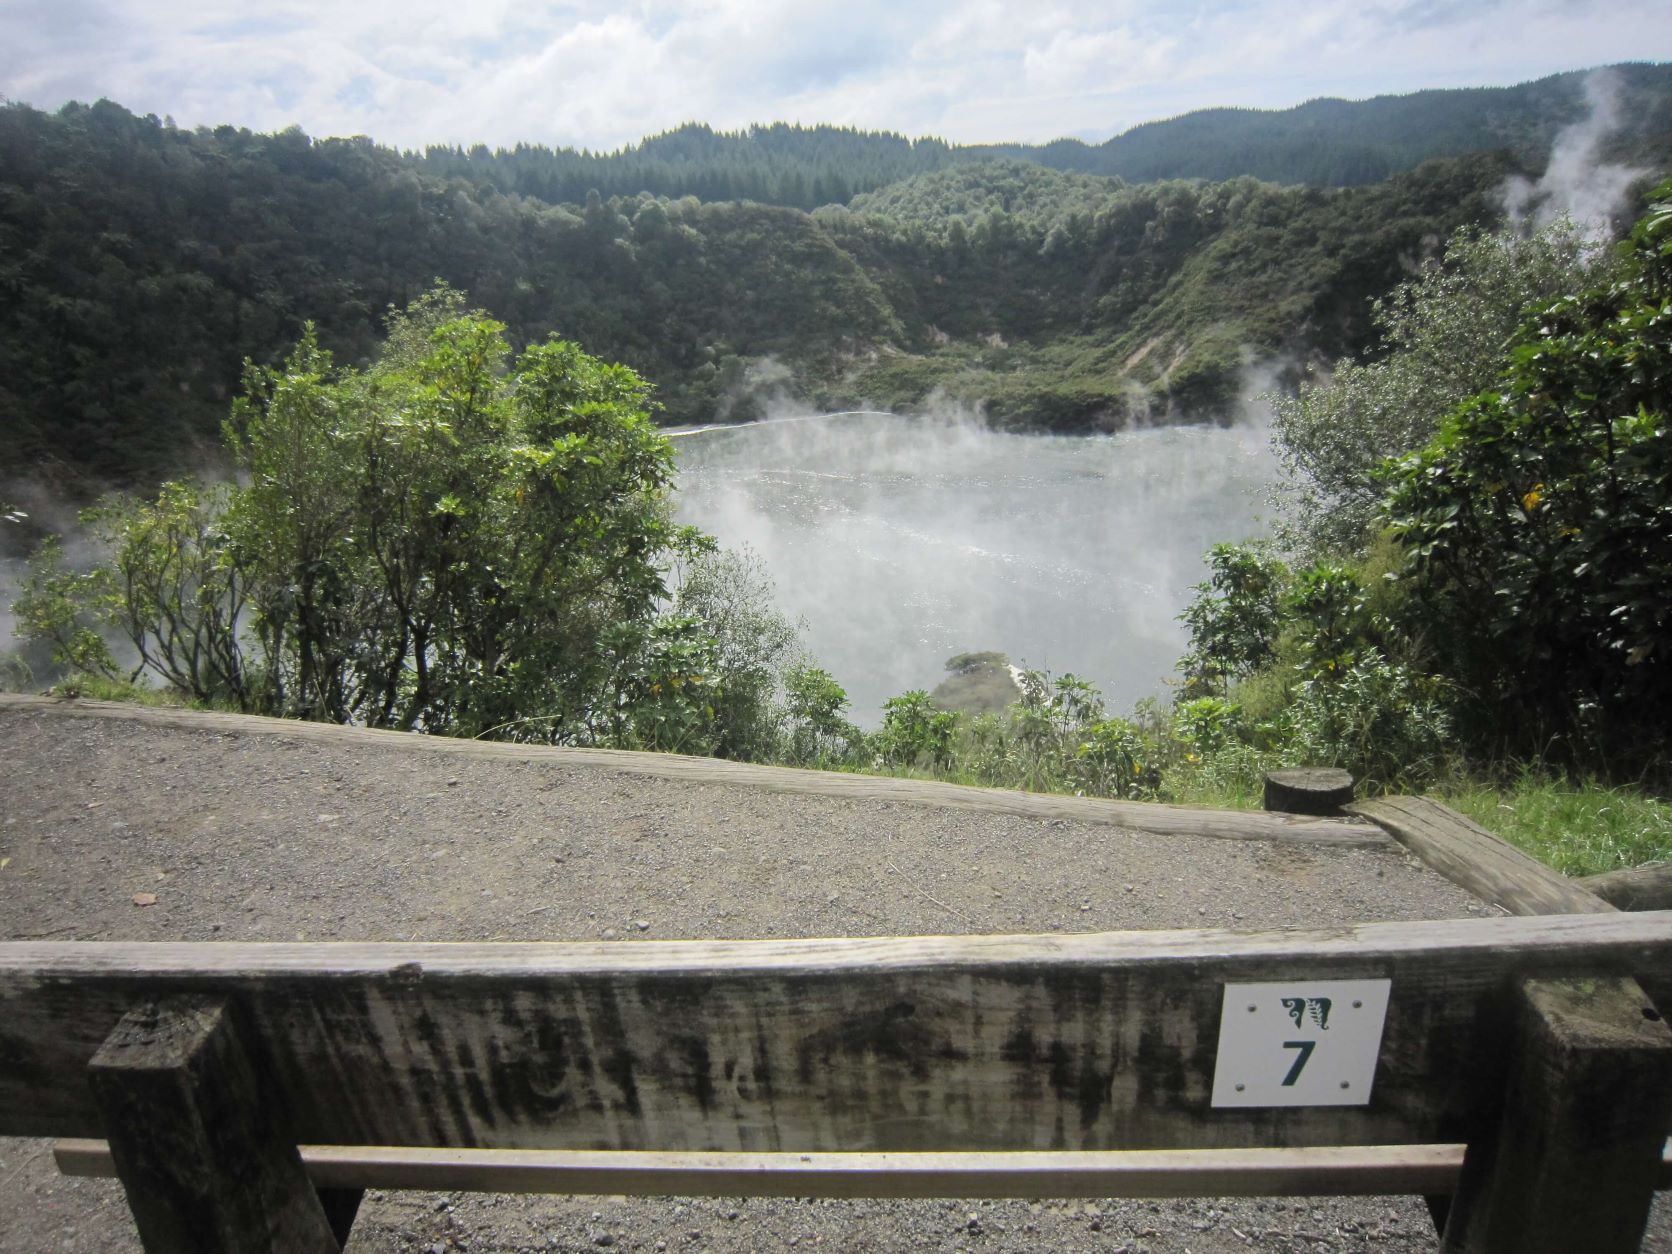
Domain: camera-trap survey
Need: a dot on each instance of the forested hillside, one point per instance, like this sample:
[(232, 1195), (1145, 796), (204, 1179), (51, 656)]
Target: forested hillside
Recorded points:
[(142, 263), (1327, 143), (1343, 142)]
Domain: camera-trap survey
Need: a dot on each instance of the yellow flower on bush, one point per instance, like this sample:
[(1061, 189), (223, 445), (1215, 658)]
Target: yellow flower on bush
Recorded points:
[(1530, 502)]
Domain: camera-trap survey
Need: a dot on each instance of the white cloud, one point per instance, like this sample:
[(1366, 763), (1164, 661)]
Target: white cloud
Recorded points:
[(599, 74)]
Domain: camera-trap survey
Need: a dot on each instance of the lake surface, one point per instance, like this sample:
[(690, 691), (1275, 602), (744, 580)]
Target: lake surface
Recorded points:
[(903, 541)]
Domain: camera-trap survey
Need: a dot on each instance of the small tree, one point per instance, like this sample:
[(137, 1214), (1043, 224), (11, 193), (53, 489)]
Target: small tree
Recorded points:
[(452, 540), (175, 591), (756, 649), (63, 609), (1233, 619), (818, 726)]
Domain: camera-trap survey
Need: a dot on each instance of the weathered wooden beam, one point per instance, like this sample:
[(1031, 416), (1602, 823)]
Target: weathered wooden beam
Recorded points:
[(1574, 1163), (976, 1043), (203, 1155), (1470, 856), (1638, 888), (1166, 820)]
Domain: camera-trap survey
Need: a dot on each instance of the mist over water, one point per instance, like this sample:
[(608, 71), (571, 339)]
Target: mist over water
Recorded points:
[(903, 540)]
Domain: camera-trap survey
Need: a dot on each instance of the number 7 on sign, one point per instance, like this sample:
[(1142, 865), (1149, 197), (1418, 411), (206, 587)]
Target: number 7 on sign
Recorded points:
[(1303, 1043), (1306, 1048)]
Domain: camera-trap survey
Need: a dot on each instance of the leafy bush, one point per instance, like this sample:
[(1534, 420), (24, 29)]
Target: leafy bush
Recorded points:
[(819, 732), (1055, 738), (756, 651), (1045, 728), (1330, 617), (451, 540), (1325, 692), (60, 608), (1538, 525), (915, 733), (1206, 725), (1390, 727), (176, 591), (1443, 336), (1233, 618), (664, 685), (1113, 760)]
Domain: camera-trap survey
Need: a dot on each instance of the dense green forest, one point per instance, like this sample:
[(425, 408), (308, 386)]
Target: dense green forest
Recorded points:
[(142, 263), (1327, 143)]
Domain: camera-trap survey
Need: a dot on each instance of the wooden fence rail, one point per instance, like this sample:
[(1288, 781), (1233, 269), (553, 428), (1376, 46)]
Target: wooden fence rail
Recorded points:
[(973, 1042), (886, 1053)]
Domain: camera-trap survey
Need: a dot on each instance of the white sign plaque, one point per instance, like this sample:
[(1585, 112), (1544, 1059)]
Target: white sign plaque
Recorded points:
[(1308, 1043)]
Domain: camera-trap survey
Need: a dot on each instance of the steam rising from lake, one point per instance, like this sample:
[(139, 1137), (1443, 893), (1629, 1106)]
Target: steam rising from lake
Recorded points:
[(902, 541)]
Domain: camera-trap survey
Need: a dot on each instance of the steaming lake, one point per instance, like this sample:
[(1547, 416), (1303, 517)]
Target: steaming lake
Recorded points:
[(903, 541)]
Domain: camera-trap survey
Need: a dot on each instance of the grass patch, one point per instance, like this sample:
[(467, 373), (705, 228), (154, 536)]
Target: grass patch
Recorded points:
[(1232, 779), (101, 688), (1577, 827)]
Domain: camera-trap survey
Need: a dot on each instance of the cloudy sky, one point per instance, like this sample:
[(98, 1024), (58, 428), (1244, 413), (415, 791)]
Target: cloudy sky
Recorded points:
[(601, 73)]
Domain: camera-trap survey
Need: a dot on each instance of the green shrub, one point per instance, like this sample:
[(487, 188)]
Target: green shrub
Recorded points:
[(1206, 725), (1538, 528), (1233, 618), (756, 650), (1387, 725), (819, 731), (664, 685), (1443, 335), (1114, 760), (1331, 618), (452, 540), (915, 733), (63, 609)]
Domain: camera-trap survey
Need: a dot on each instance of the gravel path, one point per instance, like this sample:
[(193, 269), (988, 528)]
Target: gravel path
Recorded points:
[(260, 835)]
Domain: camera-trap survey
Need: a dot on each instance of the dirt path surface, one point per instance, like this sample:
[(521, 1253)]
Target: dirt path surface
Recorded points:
[(249, 831)]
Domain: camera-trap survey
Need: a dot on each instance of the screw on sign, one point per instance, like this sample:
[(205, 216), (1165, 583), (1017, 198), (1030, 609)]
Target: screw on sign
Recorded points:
[(1308, 1043)]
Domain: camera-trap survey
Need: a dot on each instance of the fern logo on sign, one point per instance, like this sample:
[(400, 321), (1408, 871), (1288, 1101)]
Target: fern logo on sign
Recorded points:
[(1313, 1043), (1317, 1007)]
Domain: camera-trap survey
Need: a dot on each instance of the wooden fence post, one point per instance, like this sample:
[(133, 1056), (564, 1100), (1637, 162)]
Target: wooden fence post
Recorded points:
[(1574, 1160), (204, 1159)]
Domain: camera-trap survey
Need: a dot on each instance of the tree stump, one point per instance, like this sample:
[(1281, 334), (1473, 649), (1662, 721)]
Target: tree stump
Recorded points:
[(1321, 790)]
